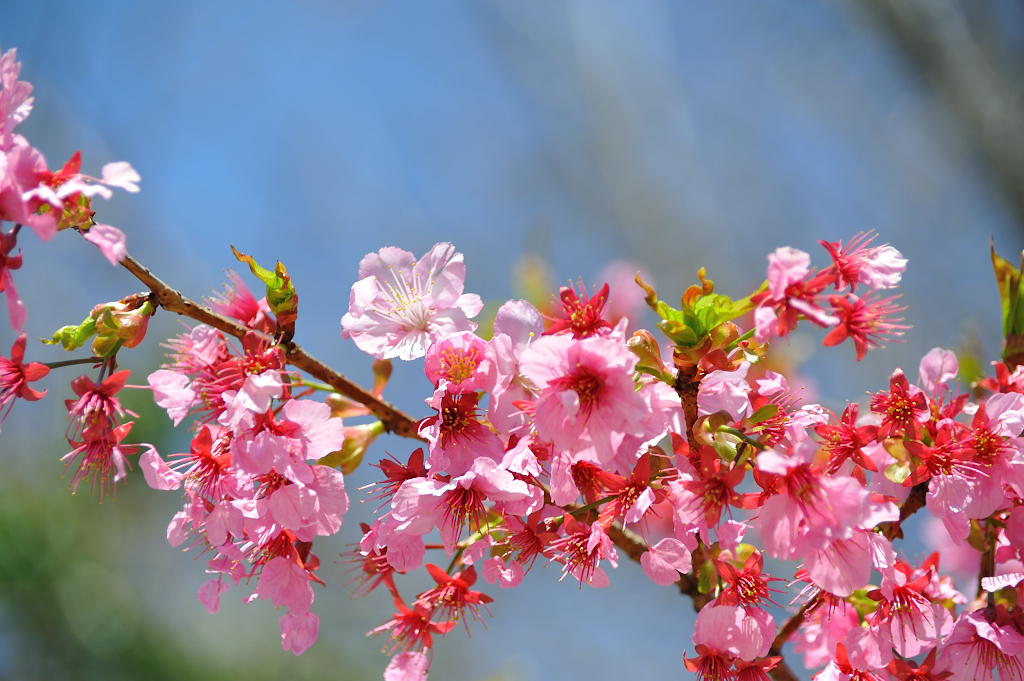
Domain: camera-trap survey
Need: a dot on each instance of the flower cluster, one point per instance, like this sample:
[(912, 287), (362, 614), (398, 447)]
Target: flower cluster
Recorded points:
[(567, 453), (795, 291), (255, 497)]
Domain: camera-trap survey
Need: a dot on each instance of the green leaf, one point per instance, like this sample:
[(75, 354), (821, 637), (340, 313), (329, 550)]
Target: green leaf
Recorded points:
[(73, 337), (281, 296), (898, 472), (863, 603), (1011, 296), (725, 449), (766, 412), (688, 327), (707, 577), (742, 552)]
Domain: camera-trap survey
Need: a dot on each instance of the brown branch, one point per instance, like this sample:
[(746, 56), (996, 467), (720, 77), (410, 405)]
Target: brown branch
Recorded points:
[(914, 502), (394, 420), (781, 671)]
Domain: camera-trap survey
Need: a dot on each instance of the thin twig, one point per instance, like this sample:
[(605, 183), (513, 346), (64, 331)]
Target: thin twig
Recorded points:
[(73, 362), (394, 420)]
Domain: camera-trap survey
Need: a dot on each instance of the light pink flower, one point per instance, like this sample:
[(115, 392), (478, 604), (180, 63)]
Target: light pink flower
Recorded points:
[(747, 634), (121, 174), (883, 267), (824, 627), (786, 266), (507, 576), (857, 263), (868, 648), (254, 397), (420, 503), (842, 567), (286, 583), (15, 97), (730, 533), (157, 473), (977, 648), (515, 326), (400, 305), (24, 189), (811, 510)]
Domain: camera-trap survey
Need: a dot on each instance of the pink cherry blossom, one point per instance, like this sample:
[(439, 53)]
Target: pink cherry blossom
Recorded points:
[(977, 648), (455, 435), (856, 262), (506, 575), (171, 391), (286, 583), (15, 98), (587, 394), (400, 305), (517, 323), (121, 174), (735, 630), (824, 627), (811, 511)]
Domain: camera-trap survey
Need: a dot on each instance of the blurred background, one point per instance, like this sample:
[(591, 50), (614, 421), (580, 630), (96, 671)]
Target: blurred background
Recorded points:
[(545, 140)]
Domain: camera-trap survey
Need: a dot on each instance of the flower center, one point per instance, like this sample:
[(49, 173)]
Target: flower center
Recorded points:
[(459, 364)]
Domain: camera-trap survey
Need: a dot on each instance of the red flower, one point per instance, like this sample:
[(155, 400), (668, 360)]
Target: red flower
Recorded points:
[(844, 440), (452, 596), (866, 321), (902, 408), (411, 628), (15, 375), (747, 587), (584, 315)]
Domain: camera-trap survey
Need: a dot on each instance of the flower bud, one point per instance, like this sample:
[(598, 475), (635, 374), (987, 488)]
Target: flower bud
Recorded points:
[(343, 408), (645, 346), (357, 441), (381, 374)]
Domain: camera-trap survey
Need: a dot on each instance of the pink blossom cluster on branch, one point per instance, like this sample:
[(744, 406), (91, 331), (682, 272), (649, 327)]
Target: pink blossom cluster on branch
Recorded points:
[(561, 437)]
